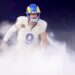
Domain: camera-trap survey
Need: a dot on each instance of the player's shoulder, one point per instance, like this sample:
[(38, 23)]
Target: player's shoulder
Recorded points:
[(21, 22), (22, 18), (42, 22), (42, 25)]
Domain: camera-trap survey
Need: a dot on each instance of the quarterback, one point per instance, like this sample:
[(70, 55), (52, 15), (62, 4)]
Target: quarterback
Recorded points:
[(29, 28)]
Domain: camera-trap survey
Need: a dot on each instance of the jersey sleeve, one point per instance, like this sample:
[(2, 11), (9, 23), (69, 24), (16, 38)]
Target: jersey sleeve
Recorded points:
[(9, 33)]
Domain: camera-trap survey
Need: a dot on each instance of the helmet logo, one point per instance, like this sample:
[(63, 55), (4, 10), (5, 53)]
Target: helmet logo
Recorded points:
[(28, 10), (38, 10)]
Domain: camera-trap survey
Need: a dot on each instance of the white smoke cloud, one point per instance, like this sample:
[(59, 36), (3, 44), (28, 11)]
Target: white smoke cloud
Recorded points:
[(4, 26), (18, 60)]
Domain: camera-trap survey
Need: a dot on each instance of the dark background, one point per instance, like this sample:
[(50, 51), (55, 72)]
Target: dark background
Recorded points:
[(60, 15)]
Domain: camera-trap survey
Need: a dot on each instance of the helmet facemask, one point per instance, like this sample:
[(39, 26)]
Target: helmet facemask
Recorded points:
[(35, 17), (33, 20)]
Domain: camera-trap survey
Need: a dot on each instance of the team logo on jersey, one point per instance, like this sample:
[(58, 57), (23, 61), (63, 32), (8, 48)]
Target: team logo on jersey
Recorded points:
[(29, 38), (22, 26)]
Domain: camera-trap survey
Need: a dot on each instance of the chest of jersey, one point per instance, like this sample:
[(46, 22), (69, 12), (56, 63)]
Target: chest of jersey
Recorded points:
[(29, 35)]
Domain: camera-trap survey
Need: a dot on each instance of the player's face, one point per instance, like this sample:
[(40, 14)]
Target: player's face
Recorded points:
[(33, 16), (33, 19)]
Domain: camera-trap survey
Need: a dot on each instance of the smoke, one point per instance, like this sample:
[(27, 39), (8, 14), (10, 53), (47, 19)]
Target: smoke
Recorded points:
[(18, 60), (4, 26)]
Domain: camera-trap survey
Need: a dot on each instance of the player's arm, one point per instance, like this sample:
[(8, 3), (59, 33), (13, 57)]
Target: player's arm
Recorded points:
[(9, 33), (12, 29), (7, 37), (43, 40), (44, 35)]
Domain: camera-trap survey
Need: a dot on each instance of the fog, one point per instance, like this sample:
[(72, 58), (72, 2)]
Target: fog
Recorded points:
[(18, 60)]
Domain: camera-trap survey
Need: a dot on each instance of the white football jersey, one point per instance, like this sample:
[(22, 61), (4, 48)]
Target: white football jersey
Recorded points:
[(26, 35)]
